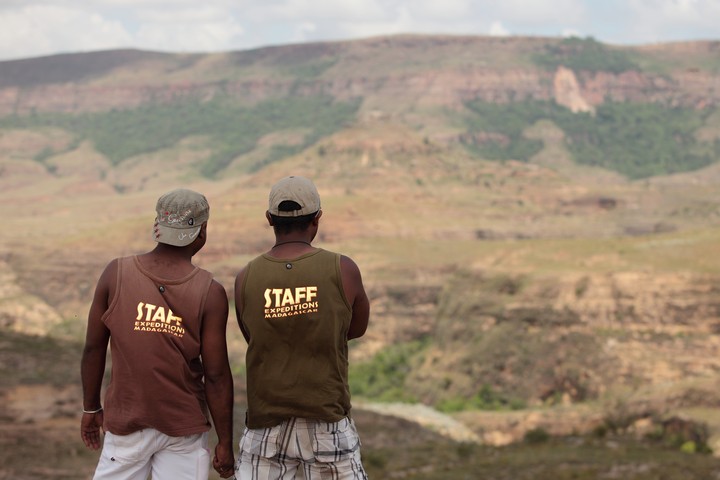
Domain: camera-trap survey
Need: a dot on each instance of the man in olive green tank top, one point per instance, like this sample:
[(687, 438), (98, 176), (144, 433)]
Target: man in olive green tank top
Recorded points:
[(297, 307)]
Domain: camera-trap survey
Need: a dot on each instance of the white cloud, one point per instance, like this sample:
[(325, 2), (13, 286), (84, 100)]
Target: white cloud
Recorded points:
[(40, 27), (167, 4), (570, 32), (189, 36), (444, 10), (284, 21), (179, 14), (363, 18), (39, 30), (498, 30), (542, 13), (305, 28), (659, 20), (195, 28), (399, 21), (318, 10), (45, 29)]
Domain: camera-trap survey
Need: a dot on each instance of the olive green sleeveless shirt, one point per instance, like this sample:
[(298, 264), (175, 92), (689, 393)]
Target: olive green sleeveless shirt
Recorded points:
[(297, 317)]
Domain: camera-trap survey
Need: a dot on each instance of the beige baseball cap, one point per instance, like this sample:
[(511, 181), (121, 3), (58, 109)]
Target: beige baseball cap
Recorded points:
[(297, 189), (180, 214)]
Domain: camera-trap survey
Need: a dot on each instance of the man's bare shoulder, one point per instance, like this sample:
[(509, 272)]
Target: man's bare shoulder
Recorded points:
[(348, 265), (217, 291)]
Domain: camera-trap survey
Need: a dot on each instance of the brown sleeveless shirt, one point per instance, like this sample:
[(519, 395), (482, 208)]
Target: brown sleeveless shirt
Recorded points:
[(157, 373)]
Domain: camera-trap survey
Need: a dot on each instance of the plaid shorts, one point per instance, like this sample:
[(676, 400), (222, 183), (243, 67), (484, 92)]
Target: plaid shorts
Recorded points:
[(323, 451)]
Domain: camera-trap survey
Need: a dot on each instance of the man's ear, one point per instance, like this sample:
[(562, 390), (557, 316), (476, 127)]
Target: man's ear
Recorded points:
[(316, 219), (269, 218)]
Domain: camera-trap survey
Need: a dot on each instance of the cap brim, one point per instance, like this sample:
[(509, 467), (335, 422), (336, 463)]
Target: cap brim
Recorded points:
[(178, 237)]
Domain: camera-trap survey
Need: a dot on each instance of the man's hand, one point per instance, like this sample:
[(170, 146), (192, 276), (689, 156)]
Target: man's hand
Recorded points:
[(90, 427), (224, 461)]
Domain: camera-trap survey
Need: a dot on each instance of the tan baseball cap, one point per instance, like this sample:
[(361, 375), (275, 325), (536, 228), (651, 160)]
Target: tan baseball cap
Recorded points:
[(297, 189), (180, 214)]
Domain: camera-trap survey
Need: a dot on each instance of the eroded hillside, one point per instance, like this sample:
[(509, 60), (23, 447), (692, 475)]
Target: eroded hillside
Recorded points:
[(512, 293), (394, 72)]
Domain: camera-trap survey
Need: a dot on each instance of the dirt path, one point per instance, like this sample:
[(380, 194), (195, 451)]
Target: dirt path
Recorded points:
[(425, 417)]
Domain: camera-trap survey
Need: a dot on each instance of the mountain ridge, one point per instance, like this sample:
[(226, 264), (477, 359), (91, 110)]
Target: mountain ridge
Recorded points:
[(462, 65), (499, 277)]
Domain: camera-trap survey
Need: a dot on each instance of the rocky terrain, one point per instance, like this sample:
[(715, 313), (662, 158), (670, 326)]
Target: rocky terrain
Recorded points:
[(410, 70), (508, 297)]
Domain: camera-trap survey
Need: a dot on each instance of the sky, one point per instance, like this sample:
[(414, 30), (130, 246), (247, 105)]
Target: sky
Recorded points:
[(32, 28)]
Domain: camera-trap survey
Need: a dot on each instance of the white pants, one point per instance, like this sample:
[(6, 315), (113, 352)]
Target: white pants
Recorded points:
[(136, 456)]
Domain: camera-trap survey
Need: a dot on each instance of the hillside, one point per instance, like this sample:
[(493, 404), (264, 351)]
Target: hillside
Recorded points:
[(536, 220), (242, 110), (398, 72)]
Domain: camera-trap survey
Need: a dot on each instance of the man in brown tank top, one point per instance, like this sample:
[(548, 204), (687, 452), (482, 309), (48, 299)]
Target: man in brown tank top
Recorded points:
[(165, 320), (297, 307)]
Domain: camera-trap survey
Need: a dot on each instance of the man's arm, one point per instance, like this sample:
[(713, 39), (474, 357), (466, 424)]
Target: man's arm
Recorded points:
[(239, 303), (355, 294), (92, 365), (218, 377)]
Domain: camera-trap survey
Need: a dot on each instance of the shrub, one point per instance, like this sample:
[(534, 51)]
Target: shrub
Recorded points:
[(232, 129), (536, 435), (636, 140), (688, 447), (585, 54), (383, 377)]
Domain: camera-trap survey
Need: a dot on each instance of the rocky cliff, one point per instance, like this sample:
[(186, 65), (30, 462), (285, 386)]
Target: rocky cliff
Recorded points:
[(395, 72), (543, 286)]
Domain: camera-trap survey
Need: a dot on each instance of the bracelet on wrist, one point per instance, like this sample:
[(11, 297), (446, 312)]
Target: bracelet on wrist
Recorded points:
[(93, 411)]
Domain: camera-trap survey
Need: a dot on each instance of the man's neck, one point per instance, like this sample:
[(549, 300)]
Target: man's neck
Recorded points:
[(172, 252), (167, 261), (288, 242), (290, 246)]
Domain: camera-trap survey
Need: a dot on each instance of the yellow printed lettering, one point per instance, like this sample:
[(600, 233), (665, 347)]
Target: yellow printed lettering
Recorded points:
[(283, 302), (159, 315), (149, 308), (287, 297), (173, 318)]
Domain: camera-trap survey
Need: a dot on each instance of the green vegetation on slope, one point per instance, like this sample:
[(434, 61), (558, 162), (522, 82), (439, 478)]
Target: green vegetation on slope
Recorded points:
[(505, 124), (636, 140), (639, 140), (585, 54), (232, 130), (488, 353), (504, 354), (383, 378), (571, 458), (485, 399)]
